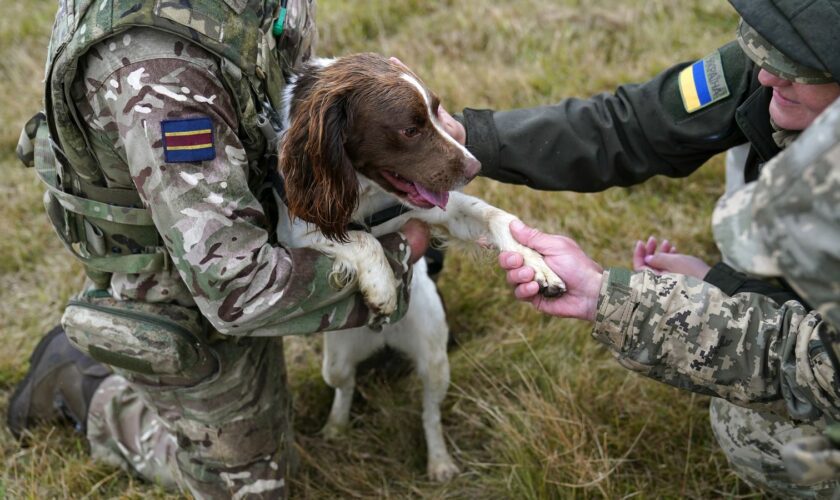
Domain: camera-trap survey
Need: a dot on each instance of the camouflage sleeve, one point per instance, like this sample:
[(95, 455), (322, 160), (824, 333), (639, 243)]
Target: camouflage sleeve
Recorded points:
[(745, 348), (214, 228)]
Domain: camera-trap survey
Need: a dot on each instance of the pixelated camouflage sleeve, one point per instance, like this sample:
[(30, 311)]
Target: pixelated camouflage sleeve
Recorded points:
[(744, 348), (213, 226)]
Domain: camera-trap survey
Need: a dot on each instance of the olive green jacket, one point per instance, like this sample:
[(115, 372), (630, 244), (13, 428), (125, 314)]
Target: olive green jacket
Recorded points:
[(624, 138)]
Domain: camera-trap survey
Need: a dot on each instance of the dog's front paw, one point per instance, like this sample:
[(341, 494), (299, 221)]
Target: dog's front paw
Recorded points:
[(376, 283), (551, 286), (442, 469), (379, 290), (333, 431)]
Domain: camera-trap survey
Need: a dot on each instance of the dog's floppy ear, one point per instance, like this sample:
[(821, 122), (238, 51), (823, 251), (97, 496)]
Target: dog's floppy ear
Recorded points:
[(321, 184)]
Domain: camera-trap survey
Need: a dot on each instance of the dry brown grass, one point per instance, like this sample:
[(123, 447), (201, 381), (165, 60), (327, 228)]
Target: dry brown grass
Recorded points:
[(537, 409)]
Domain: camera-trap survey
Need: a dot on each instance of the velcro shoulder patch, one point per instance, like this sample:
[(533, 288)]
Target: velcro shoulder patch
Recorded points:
[(703, 83), (188, 140)]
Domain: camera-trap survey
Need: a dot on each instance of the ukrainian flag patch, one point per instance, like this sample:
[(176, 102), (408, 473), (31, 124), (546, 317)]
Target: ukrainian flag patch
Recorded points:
[(703, 83), (188, 140)]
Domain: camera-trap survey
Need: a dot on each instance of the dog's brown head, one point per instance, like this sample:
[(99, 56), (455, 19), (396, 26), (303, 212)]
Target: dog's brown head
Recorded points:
[(365, 114)]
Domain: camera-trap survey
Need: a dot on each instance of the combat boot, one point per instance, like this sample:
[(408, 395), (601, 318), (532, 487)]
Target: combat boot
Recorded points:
[(59, 385)]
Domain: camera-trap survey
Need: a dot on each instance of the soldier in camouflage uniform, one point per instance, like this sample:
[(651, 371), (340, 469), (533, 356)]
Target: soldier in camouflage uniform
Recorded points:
[(788, 224), (776, 359), (671, 125), (156, 148)]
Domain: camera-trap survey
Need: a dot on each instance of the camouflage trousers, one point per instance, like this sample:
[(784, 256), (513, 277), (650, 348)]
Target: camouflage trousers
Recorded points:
[(752, 441), (225, 434)]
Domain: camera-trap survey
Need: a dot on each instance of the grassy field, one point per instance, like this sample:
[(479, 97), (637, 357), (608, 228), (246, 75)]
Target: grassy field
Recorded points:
[(536, 408)]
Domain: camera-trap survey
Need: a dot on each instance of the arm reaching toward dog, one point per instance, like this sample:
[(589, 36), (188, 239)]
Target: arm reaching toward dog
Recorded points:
[(685, 332), (214, 227)]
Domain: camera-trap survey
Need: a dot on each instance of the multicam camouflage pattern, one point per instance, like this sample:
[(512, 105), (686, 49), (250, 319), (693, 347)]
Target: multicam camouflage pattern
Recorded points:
[(25, 149), (237, 37), (155, 340), (200, 433), (239, 31), (297, 42), (210, 414), (768, 57), (223, 435), (214, 228)]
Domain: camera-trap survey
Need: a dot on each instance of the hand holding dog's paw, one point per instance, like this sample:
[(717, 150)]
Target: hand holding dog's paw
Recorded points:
[(563, 257), (551, 285)]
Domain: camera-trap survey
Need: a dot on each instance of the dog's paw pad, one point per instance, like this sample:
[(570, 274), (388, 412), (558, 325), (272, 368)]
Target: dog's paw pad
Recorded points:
[(551, 291), (443, 470)]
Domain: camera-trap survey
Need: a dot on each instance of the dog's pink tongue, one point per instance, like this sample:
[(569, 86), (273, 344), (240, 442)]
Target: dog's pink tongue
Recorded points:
[(436, 199)]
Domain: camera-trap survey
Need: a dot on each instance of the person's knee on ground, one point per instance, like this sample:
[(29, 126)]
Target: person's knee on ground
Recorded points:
[(752, 442)]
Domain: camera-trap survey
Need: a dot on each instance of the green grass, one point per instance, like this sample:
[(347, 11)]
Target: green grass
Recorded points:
[(537, 409)]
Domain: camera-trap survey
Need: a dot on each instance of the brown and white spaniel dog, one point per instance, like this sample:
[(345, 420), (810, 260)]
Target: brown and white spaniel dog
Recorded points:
[(363, 134)]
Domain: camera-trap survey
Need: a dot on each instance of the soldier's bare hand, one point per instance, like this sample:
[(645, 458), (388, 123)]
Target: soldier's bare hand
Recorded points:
[(417, 235), (452, 126), (563, 255), (664, 259)]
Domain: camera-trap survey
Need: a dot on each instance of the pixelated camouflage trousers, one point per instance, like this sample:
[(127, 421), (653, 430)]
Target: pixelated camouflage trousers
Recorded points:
[(752, 441), (225, 435)]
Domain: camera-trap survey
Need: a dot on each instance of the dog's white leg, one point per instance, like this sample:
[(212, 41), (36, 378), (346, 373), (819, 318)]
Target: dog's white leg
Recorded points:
[(434, 373), (342, 352), (422, 335), (469, 219)]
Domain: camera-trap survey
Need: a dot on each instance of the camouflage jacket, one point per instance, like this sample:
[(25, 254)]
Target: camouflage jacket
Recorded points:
[(745, 348), (226, 259)]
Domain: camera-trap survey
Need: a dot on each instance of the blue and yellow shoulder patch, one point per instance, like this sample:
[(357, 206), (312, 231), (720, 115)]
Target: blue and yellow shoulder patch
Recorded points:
[(703, 83), (188, 140)]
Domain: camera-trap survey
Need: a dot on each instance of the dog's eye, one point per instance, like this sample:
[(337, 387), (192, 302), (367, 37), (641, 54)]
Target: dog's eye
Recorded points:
[(410, 131)]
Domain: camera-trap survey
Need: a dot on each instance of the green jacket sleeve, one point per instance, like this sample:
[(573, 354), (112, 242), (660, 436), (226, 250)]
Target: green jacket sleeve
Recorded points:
[(745, 348), (609, 140)]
